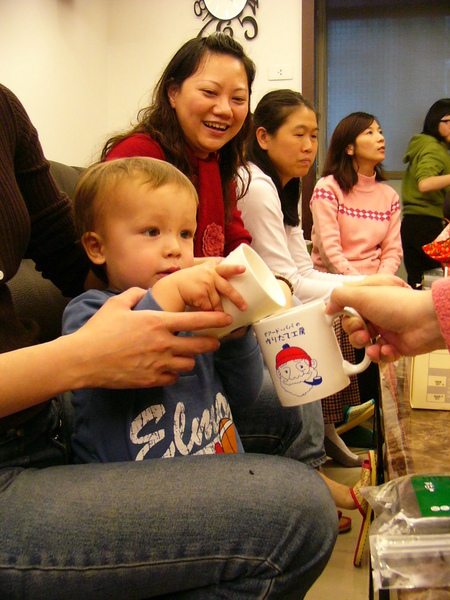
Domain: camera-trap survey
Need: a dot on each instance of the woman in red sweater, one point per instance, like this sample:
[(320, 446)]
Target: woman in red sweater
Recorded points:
[(198, 120)]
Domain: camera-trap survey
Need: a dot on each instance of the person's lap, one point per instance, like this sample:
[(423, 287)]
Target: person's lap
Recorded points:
[(253, 524), (242, 524)]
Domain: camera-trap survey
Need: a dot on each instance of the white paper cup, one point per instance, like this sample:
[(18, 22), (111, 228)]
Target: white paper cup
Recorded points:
[(257, 285), (302, 354)]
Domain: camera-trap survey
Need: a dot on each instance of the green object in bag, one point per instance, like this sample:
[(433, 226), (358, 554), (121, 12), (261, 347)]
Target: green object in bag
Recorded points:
[(433, 494)]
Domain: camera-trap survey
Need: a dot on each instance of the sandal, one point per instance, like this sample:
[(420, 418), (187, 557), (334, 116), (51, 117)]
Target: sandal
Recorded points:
[(356, 415), (368, 477), (345, 523)]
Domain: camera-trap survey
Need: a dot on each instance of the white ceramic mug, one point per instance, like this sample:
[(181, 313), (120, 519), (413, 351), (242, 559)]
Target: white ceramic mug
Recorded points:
[(302, 354), (257, 285)]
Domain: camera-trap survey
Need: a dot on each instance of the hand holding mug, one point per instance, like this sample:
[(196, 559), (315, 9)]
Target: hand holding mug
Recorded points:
[(302, 354)]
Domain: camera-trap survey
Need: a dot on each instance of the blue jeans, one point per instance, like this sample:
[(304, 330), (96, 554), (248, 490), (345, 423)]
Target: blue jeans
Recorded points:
[(231, 526), (41, 441), (268, 428)]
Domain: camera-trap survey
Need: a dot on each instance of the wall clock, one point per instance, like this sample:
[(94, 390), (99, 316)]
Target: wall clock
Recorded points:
[(225, 9), (226, 14)]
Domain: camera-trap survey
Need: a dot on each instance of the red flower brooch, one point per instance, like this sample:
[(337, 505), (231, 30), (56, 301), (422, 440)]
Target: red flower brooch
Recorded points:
[(213, 240)]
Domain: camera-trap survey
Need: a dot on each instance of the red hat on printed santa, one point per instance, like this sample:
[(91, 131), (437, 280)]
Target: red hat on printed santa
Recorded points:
[(291, 353)]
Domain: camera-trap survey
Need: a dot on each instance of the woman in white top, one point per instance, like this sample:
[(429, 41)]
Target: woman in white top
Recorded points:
[(281, 150)]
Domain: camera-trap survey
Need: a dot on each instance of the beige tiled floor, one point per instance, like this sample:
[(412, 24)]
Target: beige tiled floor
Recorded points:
[(341, 580)]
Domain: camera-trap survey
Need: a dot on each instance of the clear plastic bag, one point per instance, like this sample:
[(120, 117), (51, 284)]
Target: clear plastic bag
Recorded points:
[(410, 536)]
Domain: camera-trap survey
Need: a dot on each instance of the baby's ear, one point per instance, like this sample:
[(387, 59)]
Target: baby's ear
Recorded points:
[(93, 245)]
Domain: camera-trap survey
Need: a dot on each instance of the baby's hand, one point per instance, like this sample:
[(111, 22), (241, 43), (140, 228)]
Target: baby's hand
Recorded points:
[(200, 260), (199, 287)]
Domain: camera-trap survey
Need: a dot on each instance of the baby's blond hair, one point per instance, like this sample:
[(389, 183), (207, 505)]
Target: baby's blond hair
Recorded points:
[(95, 188)]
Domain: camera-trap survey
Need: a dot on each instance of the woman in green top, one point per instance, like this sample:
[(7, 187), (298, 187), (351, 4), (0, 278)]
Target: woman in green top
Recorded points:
[(425, 182)]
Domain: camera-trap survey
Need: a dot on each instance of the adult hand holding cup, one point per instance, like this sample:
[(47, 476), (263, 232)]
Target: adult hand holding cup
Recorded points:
[(302, 354)]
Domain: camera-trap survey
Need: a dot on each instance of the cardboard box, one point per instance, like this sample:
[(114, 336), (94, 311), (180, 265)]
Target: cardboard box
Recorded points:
[(430, 381)]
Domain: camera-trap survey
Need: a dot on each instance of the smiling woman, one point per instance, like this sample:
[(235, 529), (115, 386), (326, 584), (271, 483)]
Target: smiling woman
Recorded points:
[(212, 104), (198, 121)]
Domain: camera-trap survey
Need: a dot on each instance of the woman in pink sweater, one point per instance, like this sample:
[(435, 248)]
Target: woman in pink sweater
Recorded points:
[(356, 216), (356, 226)]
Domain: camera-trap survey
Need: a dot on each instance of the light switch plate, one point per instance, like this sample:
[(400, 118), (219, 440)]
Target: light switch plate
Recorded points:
[(280, 71)]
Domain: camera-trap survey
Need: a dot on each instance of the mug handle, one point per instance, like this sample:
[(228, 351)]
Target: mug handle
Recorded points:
[(349, 368)]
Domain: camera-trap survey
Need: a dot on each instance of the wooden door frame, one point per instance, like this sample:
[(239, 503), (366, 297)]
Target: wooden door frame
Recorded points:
[(308, 90)]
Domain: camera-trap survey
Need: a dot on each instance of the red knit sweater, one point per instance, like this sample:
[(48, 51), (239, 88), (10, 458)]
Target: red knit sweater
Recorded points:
[(214, 236)]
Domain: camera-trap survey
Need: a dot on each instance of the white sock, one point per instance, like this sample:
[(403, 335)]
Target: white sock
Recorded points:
[(336, 448)]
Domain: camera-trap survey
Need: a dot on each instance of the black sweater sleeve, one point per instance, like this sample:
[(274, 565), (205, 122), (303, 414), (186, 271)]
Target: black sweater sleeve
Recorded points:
[(52, 241)]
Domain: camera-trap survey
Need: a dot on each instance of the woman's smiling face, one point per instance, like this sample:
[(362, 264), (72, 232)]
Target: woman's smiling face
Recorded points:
[(212, 104)]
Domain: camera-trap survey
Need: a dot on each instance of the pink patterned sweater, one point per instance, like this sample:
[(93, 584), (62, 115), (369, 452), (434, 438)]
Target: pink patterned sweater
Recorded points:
[(358, 232)]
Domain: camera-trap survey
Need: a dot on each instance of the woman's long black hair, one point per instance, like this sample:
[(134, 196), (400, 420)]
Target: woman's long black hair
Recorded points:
[(435, 114)]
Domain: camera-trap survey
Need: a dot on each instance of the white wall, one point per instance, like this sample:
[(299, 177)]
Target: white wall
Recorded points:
[(52, 56), (82, 68)]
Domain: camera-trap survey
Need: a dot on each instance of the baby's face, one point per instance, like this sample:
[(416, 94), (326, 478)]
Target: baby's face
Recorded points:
[(147, 234)]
